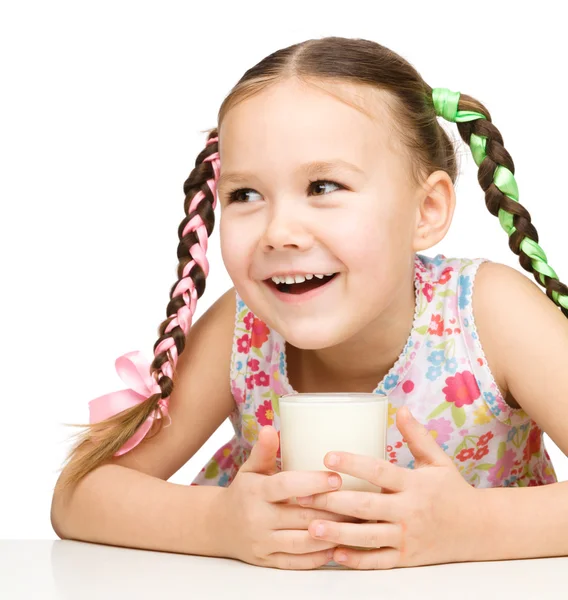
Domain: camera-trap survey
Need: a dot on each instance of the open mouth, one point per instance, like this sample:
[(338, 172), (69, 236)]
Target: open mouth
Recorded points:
[(301, 288)]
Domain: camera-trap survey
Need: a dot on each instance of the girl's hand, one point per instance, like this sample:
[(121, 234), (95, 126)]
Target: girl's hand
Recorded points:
[(428, 515), (258, 523)]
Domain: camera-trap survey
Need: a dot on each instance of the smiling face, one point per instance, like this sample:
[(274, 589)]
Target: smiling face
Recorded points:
[(358, 221)]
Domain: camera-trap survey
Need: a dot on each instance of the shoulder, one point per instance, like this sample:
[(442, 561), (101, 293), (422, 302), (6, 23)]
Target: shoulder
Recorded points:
[(527, 336), (515, 320)]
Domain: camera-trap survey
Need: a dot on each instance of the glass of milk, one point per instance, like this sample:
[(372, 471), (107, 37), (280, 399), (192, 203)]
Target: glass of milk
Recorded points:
[(311, 425)]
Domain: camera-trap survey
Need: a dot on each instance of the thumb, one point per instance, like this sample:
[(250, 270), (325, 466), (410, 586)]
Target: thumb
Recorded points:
[(420, 442), (262, 458)]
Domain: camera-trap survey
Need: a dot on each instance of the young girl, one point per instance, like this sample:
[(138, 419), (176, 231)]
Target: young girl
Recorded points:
[(334, 174)]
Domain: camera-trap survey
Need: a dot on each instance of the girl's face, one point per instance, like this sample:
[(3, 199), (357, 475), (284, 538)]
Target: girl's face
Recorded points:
[(358, 221)]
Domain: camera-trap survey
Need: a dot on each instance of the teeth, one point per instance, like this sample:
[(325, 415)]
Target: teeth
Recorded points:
[(290, 279)]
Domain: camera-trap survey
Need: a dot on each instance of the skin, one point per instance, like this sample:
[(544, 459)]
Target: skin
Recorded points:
[(350, 336)]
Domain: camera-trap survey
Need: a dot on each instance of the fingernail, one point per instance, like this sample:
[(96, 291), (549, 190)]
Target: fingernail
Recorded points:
[(320, 530), (333, 460), (341, 557), (334, 481), (330, 553)]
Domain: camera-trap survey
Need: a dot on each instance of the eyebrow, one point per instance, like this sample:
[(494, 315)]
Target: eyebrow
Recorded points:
[(310, 169)]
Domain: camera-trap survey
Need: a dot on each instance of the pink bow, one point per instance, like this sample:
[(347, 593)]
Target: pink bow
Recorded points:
[(134, 370)]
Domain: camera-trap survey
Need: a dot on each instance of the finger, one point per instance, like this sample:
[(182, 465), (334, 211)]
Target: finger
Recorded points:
[(421, 444), (375, 470), (365, 535), (368, 506), (299, 517), (296, 542), (262, 458), (385, 558), (289, 484), (300, 562)]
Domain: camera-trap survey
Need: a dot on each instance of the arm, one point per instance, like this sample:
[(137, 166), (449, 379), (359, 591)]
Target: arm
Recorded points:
[(119, 506), (529, 522), (127, 500), (525, 338)]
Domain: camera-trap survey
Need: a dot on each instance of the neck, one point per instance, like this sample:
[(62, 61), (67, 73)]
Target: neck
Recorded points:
[(359, 363)]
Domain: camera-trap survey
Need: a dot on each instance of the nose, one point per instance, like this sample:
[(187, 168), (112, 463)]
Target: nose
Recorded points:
[(285, 231)]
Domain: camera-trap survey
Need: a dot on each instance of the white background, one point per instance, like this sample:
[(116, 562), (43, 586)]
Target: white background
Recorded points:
[(102, 107)]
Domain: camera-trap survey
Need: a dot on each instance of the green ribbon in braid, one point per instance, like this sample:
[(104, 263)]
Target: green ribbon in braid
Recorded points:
[(446, 106)]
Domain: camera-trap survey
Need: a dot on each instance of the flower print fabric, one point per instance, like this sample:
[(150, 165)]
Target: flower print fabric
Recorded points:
[(442, 375)]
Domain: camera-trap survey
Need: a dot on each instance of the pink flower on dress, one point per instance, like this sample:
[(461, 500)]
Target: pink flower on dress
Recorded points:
[(428, 291), (275, 383), (243, 343), (248, 320), (261, 378), (254, 365), (440, 429), (461, 389), (250, 382), (265, 414), (237, 393), (498, 473), (260, 333), (224, 456)]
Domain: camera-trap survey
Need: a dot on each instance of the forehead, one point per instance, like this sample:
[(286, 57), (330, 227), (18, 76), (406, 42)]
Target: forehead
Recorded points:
[(294, 121)]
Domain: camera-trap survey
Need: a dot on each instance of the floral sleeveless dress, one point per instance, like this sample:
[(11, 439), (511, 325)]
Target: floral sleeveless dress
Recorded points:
[(441, 375)]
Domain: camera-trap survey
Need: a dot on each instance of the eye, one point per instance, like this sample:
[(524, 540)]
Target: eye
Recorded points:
[(319, 183), (238, 194)]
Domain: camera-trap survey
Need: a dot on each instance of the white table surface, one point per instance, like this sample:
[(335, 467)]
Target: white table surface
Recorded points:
[(45, 570)]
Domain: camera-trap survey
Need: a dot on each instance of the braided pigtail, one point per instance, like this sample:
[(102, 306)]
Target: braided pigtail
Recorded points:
[(496, 177), (120, 420)]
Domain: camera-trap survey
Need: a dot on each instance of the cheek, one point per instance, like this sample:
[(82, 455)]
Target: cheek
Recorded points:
[(235, 249)]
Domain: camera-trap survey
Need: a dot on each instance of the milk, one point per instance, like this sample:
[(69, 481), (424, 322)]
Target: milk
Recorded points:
[(311, 425)]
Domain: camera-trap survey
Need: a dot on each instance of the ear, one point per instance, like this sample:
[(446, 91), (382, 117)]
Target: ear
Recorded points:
[(436, 202)]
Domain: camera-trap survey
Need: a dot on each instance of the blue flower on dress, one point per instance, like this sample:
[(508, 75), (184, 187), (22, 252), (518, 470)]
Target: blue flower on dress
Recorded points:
[(512, 434), (465, 290), (223, 480), (410, 465), (282, 364), (391, 381), (510, 481), (437, 358), (490, 399), (466, 322), (240, 305), (451, 365), (438, 259), (433, 373), (239, 365)]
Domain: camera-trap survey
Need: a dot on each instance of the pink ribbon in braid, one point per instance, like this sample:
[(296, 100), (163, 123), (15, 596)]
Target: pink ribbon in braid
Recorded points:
[(132, 367)]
